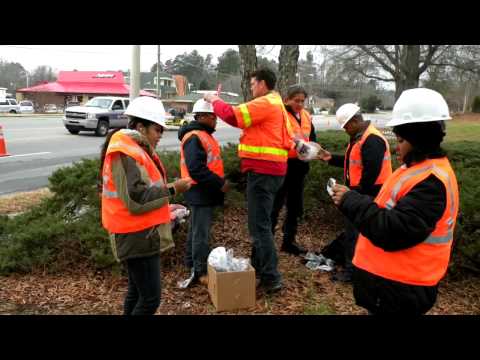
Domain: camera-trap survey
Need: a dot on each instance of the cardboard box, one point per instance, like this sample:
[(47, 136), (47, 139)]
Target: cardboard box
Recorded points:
[(232, 290)]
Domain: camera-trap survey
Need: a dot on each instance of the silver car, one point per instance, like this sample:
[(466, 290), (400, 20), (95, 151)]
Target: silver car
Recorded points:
[(26, 107), (9, 106)]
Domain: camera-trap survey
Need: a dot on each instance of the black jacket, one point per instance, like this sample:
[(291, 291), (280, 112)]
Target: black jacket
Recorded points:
[(373, 151), (207, 190), (407, 224)]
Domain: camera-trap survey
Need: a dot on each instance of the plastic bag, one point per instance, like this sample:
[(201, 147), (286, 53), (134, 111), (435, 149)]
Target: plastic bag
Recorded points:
[(186, 283), (330, 184), (178, 213), (319, 262), (307, 151), (224, 261)]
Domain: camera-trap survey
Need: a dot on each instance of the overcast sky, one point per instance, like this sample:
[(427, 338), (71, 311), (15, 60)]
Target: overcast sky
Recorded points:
[(112, 57)]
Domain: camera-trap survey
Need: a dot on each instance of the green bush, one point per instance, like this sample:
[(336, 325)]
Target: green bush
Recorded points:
[(370, 103), (315, 194), (476, 104), (465, 159), (67, 227)]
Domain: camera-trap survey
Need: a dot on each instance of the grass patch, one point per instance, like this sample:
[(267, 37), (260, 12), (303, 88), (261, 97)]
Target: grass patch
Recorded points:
[(318, 309), (462, 131)]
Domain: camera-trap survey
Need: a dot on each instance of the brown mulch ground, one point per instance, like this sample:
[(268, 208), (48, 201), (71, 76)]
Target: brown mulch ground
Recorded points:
[(83, 290), (467, 117)]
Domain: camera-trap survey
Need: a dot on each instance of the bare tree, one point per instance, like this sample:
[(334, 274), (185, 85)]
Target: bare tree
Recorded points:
[(248, 64), (401, 64), (287, 67)]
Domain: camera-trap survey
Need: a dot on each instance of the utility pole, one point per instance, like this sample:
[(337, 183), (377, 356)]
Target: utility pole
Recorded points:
[(135, 73), (159, 91)]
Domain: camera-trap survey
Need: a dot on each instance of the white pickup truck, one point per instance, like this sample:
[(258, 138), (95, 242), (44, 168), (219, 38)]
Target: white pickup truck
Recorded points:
[(99, 115)]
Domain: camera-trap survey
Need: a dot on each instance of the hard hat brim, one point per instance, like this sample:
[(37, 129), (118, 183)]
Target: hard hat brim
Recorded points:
[(396, 122)]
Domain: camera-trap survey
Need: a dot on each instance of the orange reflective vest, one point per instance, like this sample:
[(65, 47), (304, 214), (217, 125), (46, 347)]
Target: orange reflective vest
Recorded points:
[(355, 166), (212, 148), (115, 216), (426, 263), (267, 133), (301, 130)]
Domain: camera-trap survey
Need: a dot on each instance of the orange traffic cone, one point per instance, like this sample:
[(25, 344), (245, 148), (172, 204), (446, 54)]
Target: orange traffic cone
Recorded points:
[(3, 146)]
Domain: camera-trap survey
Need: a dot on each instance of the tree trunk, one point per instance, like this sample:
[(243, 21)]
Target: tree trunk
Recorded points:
[(465, 99), (248, 64), (403, 83), (287, 67), (409, 69)]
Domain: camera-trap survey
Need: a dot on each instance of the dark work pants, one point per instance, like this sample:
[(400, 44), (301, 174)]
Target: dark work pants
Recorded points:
[(261, 191), (290, 194), (143, 295), (197, 251), (349, 241)]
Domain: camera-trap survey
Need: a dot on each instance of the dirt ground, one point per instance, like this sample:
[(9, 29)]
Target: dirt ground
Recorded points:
[(84, 290), (467, 117)]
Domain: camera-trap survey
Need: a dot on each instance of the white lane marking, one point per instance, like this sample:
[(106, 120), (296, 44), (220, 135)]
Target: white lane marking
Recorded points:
[(36, 129), (20, 155)]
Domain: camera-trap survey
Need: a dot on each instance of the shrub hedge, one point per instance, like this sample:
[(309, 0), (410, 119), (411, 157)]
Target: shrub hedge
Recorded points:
[(67, 227)]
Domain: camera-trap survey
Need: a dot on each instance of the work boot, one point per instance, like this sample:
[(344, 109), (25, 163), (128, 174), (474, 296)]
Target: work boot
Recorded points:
[(342, 276), (271, 287), (293, 248)]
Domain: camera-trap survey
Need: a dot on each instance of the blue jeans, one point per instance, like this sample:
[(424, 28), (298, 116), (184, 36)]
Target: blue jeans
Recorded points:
[(197, 241), (144, 288), (261, 191)]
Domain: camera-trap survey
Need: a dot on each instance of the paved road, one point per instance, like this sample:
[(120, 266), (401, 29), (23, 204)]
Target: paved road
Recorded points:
[(40, 145)]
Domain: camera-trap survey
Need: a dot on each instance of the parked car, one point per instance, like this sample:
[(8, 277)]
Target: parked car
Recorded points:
[(50, 108), (99, 115), (9, 106), (26, 107), (171, 120)]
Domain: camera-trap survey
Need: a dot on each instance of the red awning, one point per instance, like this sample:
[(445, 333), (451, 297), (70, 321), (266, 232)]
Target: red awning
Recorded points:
[(87, 82)]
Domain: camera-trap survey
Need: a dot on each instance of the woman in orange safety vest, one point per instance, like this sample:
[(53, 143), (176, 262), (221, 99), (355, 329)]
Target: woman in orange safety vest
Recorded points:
[(291, 192), (135, 202), (406, 232)]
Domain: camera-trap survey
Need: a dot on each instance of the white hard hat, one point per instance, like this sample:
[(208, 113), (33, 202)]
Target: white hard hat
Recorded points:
[(202, 106), (419, 105), (345, 113), (148, 108)]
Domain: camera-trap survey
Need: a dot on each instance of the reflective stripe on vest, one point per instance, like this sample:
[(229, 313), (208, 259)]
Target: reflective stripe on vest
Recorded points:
[(426, 263), (212, 149), (247, 119), (262, 150), (355, 164), (116, 217)]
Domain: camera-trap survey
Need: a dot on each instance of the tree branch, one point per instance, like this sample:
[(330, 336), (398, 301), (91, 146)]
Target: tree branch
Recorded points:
[(360, 71), (428, 59), (387, 53), (377, 59)]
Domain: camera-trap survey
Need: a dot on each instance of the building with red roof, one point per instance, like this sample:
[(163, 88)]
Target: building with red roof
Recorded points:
[(77, 87)]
